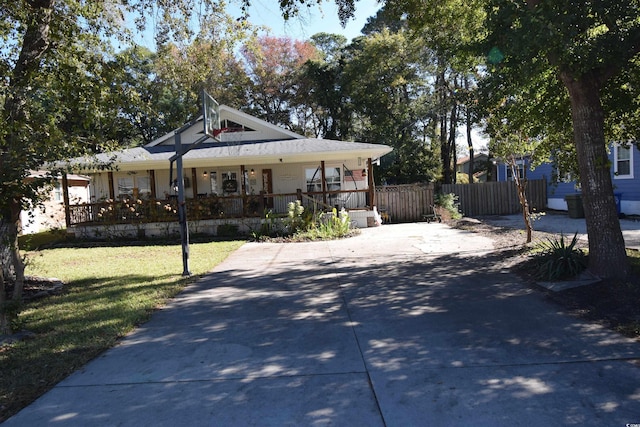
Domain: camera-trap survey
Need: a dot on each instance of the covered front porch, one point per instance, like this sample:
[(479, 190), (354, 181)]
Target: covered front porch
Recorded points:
[(210, 215), (250, 173), (133, 208)]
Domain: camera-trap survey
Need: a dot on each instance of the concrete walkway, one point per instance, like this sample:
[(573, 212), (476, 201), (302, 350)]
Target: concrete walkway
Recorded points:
[(404, 325)]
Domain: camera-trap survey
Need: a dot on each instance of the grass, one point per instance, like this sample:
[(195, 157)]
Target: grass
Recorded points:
[(108, 292)]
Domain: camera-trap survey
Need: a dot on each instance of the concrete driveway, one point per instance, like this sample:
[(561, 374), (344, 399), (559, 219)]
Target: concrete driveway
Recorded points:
[(404, 325)]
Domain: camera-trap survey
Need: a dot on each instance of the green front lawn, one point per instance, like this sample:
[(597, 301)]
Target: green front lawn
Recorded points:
[(108, 292)]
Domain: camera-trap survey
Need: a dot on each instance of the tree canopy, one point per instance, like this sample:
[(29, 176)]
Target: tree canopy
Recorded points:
[(65, 93), (587, 51), (564, 74)]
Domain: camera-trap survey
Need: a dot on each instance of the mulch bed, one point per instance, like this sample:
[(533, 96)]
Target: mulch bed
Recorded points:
[(37, 287)]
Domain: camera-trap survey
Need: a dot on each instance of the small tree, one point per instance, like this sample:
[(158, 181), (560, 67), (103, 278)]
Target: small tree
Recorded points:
[(521, 186), (513, 148)]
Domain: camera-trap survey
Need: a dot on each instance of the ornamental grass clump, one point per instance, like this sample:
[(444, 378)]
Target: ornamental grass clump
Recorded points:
[(558, 260)]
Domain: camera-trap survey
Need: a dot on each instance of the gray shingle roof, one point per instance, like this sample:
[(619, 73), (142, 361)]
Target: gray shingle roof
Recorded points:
[(247, 152)]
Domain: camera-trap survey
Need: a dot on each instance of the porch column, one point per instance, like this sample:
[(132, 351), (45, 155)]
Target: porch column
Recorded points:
[(243, 184), (152, 183), (65, 198), (371, 183), (324, 182), (112, 191), (194, 182)]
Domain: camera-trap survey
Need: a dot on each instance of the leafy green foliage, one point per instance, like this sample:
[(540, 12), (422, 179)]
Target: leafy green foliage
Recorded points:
[(322, 91), (590, 49), (449, 202), (385, 77), (295, 221), (303, 224), (559, 260), (329, 226)]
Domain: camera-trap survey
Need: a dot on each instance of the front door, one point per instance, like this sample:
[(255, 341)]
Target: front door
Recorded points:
[(267, 186)]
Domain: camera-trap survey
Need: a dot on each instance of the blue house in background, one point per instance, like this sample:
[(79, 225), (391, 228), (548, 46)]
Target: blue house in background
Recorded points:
[(625, 172)]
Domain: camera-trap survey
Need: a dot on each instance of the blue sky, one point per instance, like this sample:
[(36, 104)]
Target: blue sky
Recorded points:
[(313, 20), (316, 19)]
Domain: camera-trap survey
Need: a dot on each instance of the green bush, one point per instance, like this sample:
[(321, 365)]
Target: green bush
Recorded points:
[(303, 224), (558, 260), (329, 226), (449, 202)]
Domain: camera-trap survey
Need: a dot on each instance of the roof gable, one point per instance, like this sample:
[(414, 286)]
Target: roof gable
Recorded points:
[(478, 156), (256, 142), (243, 127)]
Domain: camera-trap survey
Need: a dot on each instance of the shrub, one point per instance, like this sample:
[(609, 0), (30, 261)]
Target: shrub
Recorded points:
[(449, 203), (302, 224), (329, 226), (295, 220), (558, 260)]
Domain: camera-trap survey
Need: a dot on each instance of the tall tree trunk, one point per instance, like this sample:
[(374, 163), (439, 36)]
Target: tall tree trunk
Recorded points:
[(9, 308), (445, 152), (607, 255), (469, 139), (471, 151), (35, 43), (451, 143), (5, 324)]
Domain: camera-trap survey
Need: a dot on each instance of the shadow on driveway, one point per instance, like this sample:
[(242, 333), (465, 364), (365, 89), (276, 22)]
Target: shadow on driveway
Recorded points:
[(338, 333)]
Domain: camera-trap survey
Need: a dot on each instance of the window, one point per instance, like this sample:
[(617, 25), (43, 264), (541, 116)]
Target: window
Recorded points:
[(57, 191), (333, 179), (623, 160), (519, 167), (234, 127), (134, 186), (214, 182), (314, 179), (562, 176), (125, 186), (144, 186)]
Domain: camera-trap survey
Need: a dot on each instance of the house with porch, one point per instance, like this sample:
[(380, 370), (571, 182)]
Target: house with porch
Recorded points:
[(625, 174), (50, 214), (255, 169)]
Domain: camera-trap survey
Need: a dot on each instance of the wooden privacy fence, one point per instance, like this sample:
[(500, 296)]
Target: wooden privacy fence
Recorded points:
[(405, 203), (408, 203), (497, 198)]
